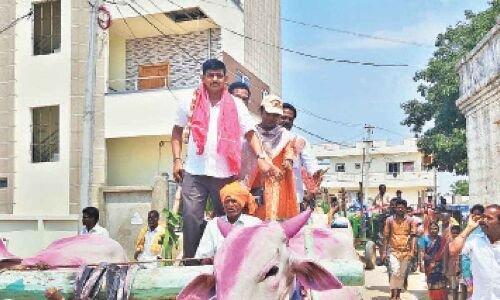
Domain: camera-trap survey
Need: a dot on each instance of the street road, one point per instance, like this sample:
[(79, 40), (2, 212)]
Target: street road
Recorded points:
[(377, 285)]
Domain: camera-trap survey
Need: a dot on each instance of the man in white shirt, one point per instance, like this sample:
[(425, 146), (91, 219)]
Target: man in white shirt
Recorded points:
[(305, 158), (90, 221), (484, 252), (234, 197), (216, 124)]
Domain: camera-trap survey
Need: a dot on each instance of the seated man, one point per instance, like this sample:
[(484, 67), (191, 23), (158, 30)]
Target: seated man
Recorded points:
[(149, 241), (90, 223), (234, 198), (356, 203)]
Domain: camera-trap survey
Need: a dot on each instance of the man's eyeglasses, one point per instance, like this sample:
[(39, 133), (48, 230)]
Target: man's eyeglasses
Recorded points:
[(215, 75)]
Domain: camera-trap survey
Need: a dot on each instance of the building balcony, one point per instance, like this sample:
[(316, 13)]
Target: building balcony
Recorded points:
[(395, 180), (143, 112)]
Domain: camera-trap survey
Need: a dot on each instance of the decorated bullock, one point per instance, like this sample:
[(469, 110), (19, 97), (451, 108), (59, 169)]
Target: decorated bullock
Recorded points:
[(69, 252), (268, 261)]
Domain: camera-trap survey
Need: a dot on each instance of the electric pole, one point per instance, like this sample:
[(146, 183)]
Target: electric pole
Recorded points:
[(87, 156), (368, 142)]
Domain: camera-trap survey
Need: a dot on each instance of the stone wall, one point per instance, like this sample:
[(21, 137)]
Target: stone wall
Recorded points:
[(7, 105), (184, 68), (480, 102)]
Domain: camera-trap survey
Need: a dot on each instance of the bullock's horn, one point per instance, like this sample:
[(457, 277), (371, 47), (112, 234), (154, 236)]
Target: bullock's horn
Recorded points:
[(224, 227), (292, 226)]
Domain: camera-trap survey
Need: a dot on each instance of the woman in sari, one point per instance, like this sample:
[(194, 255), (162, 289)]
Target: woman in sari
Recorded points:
[(278, 195), (434, 263)]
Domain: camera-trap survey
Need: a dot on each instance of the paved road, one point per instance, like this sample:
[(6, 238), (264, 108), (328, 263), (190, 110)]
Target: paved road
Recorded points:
[(377, 285)]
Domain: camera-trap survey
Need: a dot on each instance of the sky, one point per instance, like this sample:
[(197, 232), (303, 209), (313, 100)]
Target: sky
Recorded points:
[(351, 94), (354, 93)]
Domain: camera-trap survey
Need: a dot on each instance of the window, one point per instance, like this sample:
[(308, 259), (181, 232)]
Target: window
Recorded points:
[(357, 166), (45, 134), (243, 78), (323, 162), (393, 168), (153, 76), (408, 166), (3, 183), (340, 167), (46, 27)]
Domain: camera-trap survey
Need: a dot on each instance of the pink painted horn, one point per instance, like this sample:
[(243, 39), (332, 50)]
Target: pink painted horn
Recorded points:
[(292, 226), (224, 227)]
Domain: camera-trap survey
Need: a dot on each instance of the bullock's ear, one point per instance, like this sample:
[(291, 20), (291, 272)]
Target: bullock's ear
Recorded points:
[(200, 288), (224, 227), (313, 276)]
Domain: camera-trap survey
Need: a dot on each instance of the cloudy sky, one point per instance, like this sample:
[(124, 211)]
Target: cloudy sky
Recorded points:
[(350, 94)]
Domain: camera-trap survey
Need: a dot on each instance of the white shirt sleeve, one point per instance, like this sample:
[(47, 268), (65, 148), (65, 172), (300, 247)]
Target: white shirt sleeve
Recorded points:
[(182, 113), (207, 245), (308, 159), (468, 245), (247, 123)]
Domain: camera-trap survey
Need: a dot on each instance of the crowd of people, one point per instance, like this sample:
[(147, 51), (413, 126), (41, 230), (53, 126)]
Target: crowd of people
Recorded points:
[(256, 171), (458, 261)]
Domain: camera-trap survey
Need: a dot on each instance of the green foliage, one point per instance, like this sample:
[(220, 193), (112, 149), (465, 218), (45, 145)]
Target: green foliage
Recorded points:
[(171, 239), (438, 86), (460, 187)]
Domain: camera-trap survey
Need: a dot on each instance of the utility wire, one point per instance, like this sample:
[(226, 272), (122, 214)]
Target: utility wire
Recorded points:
[(353, 33), (297, 52), (318, 136), (125, 20), (13, 23), (362, 35)]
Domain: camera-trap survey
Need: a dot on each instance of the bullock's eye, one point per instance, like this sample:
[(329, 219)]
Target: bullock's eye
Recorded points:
[(272, 272)]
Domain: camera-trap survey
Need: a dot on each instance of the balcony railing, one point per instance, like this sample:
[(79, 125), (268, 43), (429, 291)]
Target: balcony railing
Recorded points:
[(137, 83)]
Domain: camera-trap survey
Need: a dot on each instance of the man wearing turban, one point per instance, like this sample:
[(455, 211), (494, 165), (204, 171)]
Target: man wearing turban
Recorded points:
[(235, 197)]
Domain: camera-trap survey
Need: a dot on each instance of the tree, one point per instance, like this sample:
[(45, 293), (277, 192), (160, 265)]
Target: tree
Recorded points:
[(460, 187), (438, 86)]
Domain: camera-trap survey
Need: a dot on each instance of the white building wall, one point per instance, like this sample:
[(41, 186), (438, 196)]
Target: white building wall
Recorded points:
[(413, 184), (41, 80)]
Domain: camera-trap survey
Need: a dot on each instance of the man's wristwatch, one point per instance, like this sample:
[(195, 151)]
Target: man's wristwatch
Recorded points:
[(261, 156)]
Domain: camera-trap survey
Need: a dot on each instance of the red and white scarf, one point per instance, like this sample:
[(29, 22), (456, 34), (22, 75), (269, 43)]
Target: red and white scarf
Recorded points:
[(228, 127)]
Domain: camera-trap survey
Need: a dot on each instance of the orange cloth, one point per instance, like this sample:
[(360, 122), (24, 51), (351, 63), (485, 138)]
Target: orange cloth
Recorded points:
[(399, 236), (280, 198), (240, 193)]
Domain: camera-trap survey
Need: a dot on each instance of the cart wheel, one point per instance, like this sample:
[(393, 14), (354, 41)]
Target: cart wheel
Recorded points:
[(370, 255)]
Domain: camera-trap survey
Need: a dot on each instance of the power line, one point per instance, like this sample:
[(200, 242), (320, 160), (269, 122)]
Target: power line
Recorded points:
[(124, 20), (297, 52), (347, 124), (357, 34), (13, 23), (318, 136), (343, 31)]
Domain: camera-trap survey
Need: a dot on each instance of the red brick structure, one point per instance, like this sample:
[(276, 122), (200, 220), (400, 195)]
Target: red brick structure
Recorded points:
[(236, 71)]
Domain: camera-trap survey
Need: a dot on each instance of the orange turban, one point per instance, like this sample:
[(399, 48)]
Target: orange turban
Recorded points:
[(240, 193)]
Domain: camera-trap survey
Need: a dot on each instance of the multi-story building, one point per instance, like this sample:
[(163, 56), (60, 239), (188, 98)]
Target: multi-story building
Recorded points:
[(148, 60), (399, 167)]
